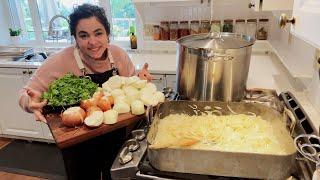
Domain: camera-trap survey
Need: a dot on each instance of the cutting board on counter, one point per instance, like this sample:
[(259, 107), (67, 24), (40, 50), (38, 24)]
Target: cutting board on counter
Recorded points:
[(66, 136)]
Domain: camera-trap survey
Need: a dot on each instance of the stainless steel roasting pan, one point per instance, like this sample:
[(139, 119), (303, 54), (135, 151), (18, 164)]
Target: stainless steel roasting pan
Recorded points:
[(222, 163)]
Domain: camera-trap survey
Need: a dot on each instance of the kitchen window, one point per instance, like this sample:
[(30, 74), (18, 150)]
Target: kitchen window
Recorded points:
[(33, 17)]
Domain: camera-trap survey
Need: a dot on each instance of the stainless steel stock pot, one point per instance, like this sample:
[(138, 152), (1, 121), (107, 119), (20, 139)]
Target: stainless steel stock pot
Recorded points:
[(213, 67)]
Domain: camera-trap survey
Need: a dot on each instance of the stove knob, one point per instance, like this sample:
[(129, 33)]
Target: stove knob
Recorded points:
[(132, 144), (125, 156)]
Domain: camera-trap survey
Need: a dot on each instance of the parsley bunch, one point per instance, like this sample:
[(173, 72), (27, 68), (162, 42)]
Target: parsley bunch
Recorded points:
[(69, 90)]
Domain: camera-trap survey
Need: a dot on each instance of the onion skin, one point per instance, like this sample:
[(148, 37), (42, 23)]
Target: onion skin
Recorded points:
[(111, 100), (97, 95), (73, 116), (104, 104), (86, 104), (92, 109)]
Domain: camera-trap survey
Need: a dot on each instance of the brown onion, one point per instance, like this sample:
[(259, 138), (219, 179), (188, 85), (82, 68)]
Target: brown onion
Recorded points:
[(73, 116)]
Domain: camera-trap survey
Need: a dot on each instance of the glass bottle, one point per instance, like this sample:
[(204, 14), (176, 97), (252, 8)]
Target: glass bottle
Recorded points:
[(164, 30), (156, 32), (194, 27), (133, 41), (183, 29), (205, 26), (262, 32), (240, 27), (215, 26), (227, 25), (173, 30), (252, 27)]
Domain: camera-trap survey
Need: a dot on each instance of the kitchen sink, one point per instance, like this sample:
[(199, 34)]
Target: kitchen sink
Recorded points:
[(26, 54)]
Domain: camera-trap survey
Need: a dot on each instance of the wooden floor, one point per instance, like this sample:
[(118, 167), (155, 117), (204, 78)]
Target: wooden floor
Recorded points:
[(10, 176), (4, 142)]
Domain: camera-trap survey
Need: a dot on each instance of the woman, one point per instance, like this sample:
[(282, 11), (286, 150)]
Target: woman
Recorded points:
[(95, 57)]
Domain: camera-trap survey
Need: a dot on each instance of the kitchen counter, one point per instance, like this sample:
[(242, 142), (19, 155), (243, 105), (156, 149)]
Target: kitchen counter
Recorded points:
[(266, 71)]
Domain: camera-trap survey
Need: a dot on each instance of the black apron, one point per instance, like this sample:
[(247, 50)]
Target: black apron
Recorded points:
[(93, 158)]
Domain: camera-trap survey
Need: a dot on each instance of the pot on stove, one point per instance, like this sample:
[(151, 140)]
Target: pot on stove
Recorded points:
[(213, 67)]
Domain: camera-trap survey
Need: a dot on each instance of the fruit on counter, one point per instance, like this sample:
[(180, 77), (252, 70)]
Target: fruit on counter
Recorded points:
[(91, 109), (73, 116), (104, 103), (137, 107), (69, 90), (110, 117), (95, 119)]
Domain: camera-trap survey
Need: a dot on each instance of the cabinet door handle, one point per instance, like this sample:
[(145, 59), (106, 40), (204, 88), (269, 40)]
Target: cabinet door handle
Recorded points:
[(24, 72), (30, 72), (283, 20), (250, 5)]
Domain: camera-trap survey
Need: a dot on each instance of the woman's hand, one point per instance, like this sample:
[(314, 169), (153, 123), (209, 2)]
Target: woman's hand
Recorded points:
[(35, 105), (144, 73)]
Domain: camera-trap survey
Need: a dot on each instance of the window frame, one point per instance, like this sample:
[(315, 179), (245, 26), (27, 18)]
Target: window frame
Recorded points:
[(36, 22)]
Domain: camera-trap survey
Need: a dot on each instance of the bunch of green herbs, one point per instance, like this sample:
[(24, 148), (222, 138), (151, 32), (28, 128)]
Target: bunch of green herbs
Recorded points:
[(69, 90)]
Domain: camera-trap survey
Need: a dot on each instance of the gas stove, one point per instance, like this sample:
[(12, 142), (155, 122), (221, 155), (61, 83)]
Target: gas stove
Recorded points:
[(132, 161)]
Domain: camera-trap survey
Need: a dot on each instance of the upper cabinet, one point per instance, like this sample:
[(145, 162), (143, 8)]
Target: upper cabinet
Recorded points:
[(270, 5), (306, 14)]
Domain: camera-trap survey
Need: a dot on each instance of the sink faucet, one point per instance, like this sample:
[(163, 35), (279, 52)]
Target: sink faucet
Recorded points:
[(51, 31)]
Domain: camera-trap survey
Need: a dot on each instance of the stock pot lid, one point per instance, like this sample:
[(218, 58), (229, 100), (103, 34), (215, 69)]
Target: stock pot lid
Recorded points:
[(216, 41)]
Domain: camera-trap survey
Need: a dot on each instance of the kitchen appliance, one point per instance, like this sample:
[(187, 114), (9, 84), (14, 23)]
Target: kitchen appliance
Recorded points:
[(214, 66), (140, 168)]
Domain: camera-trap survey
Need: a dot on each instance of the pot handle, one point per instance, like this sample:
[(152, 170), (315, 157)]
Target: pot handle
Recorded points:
[(210, 55), (149, 114), (293, 119)]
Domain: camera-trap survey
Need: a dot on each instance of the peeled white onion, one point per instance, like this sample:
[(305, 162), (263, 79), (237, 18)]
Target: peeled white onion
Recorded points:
[(132, 80), (139, 84), (121, 107), (110, 117), (115, 82), (159, 96), (148, 99), (137, 107), (151, 86), (95, 119), (117, 92)]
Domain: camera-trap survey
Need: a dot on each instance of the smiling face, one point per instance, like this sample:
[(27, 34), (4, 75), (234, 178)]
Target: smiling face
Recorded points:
[(92, 38)]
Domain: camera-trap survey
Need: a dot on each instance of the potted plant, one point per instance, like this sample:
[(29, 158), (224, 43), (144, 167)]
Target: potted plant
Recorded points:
[(15, 35)]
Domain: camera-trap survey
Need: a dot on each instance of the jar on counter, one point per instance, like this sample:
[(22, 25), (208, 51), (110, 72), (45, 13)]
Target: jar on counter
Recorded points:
[(240, 27), (174, 30), (252, 27), (194, 27), (215, 26), (156, 32), (227, 25), (262, 32), (183, 29), (164, 30), (205, 26)]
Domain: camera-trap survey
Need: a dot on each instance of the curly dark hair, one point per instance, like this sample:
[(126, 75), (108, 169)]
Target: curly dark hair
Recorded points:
[(86, 11)]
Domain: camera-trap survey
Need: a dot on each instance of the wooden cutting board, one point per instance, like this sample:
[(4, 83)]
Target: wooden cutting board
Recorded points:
[(66, 136)]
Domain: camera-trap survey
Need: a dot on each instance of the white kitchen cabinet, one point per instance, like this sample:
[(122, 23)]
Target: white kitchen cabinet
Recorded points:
[(270, 5), (14, 121), (307, 26)]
